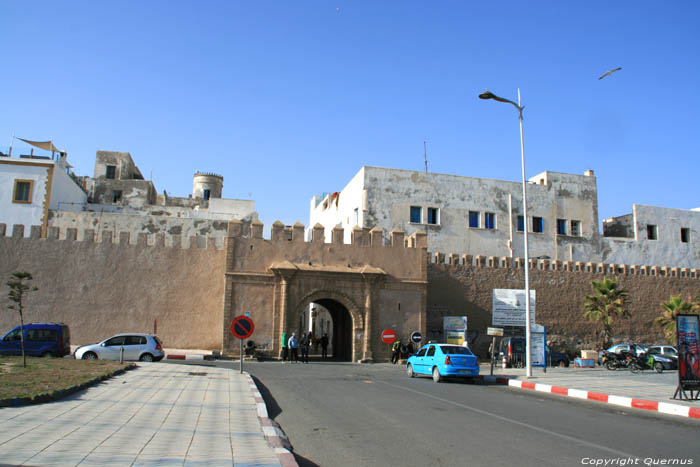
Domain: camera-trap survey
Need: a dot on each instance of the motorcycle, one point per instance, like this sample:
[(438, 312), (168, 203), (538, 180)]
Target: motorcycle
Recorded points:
[(613, 361), (645, 361)]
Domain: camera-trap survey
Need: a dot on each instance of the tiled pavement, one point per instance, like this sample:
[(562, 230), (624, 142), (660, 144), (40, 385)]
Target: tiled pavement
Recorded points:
[(155, 415)]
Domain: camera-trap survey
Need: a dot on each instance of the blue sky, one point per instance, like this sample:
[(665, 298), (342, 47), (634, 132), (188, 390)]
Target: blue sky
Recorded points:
[(290, 99)]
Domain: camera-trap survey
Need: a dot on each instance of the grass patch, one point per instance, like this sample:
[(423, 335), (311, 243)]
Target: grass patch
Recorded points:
[(44, 375)]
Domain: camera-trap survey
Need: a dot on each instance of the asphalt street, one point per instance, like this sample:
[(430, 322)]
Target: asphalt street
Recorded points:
[(339, 414)]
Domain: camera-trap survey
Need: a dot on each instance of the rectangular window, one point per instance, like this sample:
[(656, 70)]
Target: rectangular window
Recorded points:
[(685, 235), (433, 216), (489, 220), (356, 215), (561, 226), (416, 214), (575, 228), (116, 196), (111, 172), (651, 232), (23, 191), (206, 194), (537, 224), (521, 224), (474, 219)]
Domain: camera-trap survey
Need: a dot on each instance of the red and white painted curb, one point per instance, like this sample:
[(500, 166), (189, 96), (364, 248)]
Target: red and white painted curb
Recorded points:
[(654, 406), (178, 356), (272, 431)]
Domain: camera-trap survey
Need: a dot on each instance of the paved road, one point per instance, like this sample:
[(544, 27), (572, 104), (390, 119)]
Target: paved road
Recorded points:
[(373, 415)]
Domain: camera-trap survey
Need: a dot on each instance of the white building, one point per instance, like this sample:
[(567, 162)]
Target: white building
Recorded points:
[(655, 236), (470, 215), (31, 186), (36, 190), (467, 215)]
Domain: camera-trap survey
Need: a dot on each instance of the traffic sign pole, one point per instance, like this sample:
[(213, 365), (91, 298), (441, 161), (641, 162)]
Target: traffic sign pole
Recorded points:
[(242, 327)]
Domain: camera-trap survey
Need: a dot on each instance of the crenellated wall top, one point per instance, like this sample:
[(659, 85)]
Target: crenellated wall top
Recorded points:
[(455, 261), (360, 236), (125, 239)]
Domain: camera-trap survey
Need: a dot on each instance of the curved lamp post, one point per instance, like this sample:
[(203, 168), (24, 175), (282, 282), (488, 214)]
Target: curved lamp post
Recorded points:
[(489, 95)]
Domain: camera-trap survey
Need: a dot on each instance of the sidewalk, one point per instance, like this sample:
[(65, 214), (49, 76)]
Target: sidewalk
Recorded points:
[(646, 390), (154, 415)]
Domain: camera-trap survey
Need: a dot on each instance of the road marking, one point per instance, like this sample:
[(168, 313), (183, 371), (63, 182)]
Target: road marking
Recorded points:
[(516, 422)]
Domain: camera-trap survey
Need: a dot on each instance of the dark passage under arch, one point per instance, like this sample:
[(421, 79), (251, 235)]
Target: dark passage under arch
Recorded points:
[(342, 329)]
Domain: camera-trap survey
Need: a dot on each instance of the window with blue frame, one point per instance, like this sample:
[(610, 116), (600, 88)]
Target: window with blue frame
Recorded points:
[(561, 226), (489, 220), (416, 214), (433, 216), (474, 219), (537, 224), (521, 224)]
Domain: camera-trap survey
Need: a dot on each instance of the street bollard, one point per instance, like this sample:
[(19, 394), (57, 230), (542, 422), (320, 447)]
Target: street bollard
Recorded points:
[(121, 355)]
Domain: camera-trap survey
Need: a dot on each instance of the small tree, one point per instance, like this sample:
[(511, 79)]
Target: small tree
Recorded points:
[(607, 302), (18, 289), (667, 321)]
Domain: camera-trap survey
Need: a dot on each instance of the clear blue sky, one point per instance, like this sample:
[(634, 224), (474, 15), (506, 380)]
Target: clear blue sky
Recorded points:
[(289, 99)]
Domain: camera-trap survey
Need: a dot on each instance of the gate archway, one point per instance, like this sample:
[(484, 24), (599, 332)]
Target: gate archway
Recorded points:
[(347, 323)]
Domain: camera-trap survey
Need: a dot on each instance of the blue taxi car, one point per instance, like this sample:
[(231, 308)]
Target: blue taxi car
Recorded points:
[(443, 360)]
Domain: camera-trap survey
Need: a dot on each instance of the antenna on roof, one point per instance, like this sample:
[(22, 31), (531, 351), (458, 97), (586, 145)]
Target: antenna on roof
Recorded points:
[(425, 155)]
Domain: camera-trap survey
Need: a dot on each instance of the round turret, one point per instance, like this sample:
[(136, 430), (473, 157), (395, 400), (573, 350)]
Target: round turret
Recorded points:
[(207, 185)]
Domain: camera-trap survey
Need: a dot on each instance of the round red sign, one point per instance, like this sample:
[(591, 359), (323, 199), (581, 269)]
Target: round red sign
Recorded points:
[(242, 327), (388, 336)]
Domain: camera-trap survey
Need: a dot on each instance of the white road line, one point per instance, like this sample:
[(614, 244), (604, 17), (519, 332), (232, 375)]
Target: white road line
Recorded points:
[(516, 422)]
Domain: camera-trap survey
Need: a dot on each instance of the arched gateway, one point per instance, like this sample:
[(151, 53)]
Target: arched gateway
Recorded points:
[(366, 286)]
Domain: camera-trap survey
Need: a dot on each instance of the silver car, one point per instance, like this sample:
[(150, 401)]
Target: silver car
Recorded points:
[(142, 347)]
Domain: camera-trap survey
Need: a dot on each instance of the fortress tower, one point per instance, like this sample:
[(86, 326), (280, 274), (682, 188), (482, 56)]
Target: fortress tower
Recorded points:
[(207, 185)]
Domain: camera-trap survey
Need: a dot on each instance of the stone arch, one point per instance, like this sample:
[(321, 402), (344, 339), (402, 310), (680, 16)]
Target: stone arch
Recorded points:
[(348, 302)]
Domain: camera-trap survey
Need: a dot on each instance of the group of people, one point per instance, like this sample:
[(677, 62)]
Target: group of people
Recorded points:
[(291, 346), (399, 350)]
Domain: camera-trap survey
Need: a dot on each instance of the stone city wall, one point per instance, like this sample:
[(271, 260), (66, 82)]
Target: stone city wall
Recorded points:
[(459, 286), (101, 288)]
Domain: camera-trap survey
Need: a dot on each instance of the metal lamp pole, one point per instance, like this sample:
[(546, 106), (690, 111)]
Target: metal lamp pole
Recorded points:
[(489, 95)]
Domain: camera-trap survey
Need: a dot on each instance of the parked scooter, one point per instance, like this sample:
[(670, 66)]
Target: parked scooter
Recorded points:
[(613, 361), (645, 362)]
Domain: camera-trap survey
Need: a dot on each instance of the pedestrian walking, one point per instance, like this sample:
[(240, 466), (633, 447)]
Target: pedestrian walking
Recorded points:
[(284, 346), (395, 351), (293, 345), (324, 346), (304, 344)]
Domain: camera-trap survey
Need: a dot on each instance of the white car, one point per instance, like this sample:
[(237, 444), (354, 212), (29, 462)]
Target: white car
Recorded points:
[(142, 347)]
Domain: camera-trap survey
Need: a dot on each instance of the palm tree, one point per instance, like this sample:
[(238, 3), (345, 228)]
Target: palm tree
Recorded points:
[(667, 321), (607, 301)]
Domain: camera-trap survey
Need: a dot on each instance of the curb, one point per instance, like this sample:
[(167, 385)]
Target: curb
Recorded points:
[(272, 431), (60, 393), (188, 357), (653, 406)]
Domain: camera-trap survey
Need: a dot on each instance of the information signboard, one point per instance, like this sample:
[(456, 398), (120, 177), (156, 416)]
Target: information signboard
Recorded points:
[(538, 339), (454, 323), (509, 307), (688, 352)]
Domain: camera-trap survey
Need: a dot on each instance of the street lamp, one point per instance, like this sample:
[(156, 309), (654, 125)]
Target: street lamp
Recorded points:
[(489, 95)]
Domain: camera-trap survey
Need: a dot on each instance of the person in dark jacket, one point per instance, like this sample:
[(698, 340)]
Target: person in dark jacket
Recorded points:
[(324, 346), (304, 345)]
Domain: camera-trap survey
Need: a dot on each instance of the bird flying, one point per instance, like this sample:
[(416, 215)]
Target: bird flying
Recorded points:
[(610, 72)]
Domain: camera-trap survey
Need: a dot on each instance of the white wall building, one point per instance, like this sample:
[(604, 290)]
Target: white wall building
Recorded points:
[(470, 215), (31, 186), (467, 215)]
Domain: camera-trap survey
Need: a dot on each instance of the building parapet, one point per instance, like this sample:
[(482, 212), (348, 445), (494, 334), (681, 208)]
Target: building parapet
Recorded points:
[(455, 261), (108, 236), (360, 236)]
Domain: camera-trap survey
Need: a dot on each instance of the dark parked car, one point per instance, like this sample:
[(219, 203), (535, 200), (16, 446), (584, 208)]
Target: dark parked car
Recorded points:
[(40, 340)]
